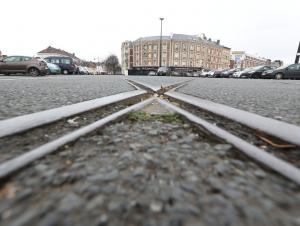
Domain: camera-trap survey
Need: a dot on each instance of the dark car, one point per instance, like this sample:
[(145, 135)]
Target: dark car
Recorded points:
[(229, 73), (255, 72), (268, 73), (66, 64), (288, 71), (164, 71), (218, 73), (24, 65)]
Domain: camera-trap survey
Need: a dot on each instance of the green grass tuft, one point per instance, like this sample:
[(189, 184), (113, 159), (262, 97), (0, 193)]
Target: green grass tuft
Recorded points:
[(167, 118)]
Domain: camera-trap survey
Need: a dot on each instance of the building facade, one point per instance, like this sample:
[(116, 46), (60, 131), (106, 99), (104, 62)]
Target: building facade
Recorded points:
[(241, 59), (184, 51), (51, 51)]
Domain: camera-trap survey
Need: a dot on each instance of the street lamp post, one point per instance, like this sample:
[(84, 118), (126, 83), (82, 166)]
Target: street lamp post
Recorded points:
[(160, 42), (298, 55)]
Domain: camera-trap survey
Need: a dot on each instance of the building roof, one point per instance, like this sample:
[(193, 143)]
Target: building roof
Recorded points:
[(153, 38), (181, 37), (53, 50)]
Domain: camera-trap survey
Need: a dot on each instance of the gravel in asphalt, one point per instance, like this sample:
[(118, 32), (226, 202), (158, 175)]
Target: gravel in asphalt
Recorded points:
[(15, 145), (148, 172), (270, 98), (21, 95)]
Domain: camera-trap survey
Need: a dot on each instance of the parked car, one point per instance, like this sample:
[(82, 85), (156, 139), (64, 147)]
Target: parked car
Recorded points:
[(196, 74), (217, 73), (288, 71), (175, 73), (244, 73), (237, 74), (82, 71), (229, 73), (188, 74), (211, 74), (24, 65), (66, 64), (255, 72), (164, 71), (268, 73), (53, 69), (204, 73), (152, 73)]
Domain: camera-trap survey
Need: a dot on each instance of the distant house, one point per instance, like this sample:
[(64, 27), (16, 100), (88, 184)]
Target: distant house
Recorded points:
[(51, 51)]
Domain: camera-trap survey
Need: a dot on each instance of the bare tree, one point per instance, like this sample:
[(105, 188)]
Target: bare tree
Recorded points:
[(112, 64)]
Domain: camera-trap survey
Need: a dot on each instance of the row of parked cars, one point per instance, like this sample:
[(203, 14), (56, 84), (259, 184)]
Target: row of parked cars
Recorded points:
[(290, 71), (36, 66)]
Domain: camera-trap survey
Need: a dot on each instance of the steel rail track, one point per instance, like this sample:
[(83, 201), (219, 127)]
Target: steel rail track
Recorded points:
[(157, 89), (275, 128), (278, 165), (11, 166), (25, 122)]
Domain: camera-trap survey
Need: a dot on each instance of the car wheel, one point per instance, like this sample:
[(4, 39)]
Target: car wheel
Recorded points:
[(65, 72), (34, 71), (279, 76)]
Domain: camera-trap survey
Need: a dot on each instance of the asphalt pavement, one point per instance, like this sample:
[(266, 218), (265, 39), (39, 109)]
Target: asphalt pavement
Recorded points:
[(21, 95), (270, 98)]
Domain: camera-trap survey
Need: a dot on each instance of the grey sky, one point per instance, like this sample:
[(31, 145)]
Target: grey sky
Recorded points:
[(95, 28)]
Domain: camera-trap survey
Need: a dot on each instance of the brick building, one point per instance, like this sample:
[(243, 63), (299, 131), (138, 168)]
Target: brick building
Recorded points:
[(178, 50), (241, 59)]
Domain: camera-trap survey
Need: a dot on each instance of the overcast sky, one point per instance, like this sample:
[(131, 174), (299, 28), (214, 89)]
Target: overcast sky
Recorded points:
[(96, 28)]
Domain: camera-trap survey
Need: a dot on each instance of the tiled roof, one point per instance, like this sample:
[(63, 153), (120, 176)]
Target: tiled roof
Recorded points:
[(181, 37), (51, 49)]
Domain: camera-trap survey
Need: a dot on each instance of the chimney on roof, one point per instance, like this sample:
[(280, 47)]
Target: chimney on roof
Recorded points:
[(218, 41)]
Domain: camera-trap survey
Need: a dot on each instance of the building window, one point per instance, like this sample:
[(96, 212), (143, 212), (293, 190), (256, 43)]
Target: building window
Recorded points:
[(154, 55), (176, 47), (164, 46), (155, 47), (183, 47), (176, 55), (191, 47)]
